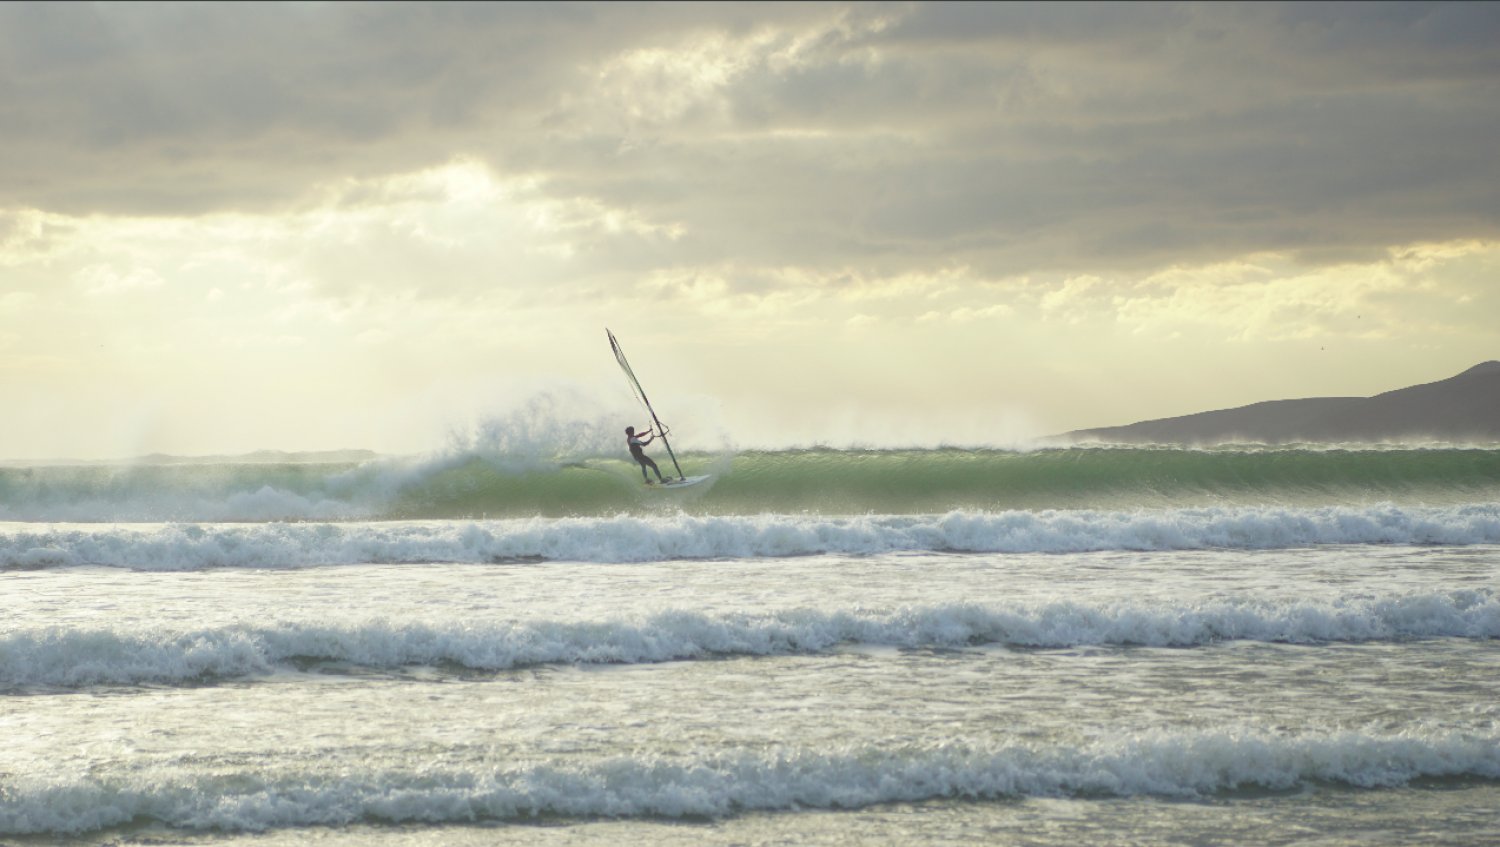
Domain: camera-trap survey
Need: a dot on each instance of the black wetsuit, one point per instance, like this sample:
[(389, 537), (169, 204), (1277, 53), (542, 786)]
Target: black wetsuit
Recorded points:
[(640, 456)]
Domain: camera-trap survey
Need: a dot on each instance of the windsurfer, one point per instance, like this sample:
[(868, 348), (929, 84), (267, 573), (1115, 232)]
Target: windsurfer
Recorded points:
[(636, 442)]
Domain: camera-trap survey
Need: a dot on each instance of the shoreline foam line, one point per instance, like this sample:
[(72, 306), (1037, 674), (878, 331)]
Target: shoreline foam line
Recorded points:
[(1162, 763)]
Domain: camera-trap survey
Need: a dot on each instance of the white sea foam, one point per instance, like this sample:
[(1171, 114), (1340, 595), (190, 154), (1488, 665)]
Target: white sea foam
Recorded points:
[(1171, 764), (80, 657), (642, 538)]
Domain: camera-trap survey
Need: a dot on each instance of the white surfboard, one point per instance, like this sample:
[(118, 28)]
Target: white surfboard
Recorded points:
[(684, 482)]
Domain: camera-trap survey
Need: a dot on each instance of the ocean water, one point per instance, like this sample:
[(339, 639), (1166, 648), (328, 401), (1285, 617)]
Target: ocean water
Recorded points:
[(1050, 647)]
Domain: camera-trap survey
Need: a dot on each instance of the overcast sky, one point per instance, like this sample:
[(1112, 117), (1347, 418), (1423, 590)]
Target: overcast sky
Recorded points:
[(234, 226)]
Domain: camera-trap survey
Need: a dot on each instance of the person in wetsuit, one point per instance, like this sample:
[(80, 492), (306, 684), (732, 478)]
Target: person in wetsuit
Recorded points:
[(636, 443)]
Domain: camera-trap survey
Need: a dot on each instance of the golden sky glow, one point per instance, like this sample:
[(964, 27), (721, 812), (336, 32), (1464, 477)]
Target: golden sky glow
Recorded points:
[(228, 227)]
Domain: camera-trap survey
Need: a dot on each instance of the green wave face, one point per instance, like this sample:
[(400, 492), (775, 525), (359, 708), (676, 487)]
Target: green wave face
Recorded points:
[(928, 481), (817, 481)]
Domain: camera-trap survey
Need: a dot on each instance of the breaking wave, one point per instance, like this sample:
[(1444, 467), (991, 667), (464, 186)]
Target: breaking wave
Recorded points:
[(507, 478), (73, 658), (636, 538), (1182, 763)]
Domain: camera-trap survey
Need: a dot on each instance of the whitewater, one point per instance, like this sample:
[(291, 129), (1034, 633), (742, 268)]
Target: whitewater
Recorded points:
[(1096, 644)]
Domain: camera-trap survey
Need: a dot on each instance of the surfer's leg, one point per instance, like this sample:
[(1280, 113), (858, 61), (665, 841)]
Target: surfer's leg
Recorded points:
[(643, 460), (648, 461)]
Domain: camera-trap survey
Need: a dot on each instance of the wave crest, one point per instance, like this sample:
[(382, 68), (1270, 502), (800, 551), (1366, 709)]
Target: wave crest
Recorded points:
[(716, 785), (77, 658), (627, 538), (541, 466)]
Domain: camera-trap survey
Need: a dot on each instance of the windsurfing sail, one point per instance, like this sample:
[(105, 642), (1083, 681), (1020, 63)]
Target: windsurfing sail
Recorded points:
[(640, 394)]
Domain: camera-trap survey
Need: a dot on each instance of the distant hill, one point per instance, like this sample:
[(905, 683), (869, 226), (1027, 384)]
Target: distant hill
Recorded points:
[(1462, 408)]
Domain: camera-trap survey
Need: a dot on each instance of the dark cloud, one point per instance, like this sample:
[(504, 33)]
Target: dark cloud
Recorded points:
[(1089, 24), (1010, 137)]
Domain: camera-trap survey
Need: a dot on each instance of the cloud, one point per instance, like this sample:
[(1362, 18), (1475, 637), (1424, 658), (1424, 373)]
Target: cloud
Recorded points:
[(1422, 290), (108, 280), (14, 301), (969, 314), (1012, 138)]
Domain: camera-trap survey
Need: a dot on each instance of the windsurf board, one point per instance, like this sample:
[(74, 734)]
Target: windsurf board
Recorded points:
[(684, 482)]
